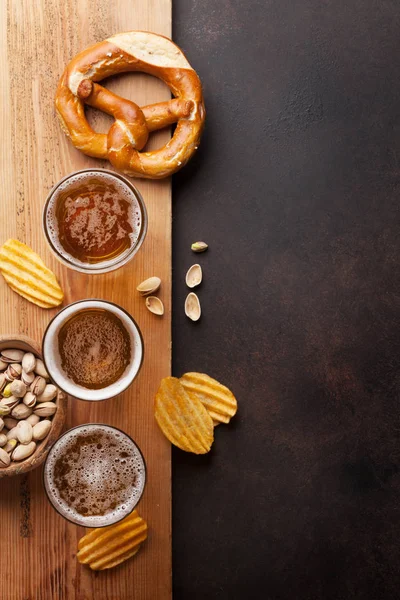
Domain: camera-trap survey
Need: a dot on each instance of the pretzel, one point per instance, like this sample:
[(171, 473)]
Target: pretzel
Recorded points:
[(133, 51)]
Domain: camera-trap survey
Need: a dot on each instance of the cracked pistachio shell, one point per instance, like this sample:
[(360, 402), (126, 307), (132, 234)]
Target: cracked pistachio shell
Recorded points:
[(192, 307), (154, 305), (194, 276), (11, 355), (149, 286), (29, 362), (3, 439), (24, 432)]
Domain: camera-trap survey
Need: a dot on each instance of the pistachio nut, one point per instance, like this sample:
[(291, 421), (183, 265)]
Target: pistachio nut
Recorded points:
[(9, 447), (199, 247), (45, 409), (1, 424), (12, 434), (4, 410), (3, 381), (32, 420), (12, 355), (21, 411), (11, 401), (3, 439), (29, 399), (28, 362), (9, 422), (24, 432), (40, 369), (7, 391), (27, 378), (38, 385), (41, 429), (23, 451), (14, 370), (149, 286), (3, 365), (18, 388), (4, 458), (50, 392)]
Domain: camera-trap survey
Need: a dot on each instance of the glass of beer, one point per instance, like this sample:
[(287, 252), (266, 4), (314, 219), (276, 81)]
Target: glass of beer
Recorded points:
[(94, 220), (94, 475), (93, 349)]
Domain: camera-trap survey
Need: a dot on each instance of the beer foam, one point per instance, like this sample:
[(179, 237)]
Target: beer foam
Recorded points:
[(94, 475), (96, 225), (95, 349)]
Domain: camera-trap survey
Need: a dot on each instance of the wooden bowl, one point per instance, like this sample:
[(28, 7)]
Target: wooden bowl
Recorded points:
[(23, 342)]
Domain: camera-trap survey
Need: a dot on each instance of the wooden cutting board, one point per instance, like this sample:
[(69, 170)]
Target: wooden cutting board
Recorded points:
[(37, 40)]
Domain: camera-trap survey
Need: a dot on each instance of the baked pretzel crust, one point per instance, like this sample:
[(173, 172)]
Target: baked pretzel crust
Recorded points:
[(133, 51)]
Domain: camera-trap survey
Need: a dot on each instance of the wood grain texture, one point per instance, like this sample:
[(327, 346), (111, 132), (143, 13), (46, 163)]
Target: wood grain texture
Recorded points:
[(37, 41)]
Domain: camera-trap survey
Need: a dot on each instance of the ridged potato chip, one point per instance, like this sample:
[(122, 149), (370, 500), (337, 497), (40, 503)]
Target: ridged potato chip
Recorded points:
[(219, 401), (28, 276), (107, 547), (183, 420)]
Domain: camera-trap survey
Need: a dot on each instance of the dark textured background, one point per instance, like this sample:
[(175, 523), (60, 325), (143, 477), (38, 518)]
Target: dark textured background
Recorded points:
[(296, 189)]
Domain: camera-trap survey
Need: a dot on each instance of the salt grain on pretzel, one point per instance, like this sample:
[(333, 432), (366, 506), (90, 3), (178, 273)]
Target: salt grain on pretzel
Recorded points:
[(133, 51)]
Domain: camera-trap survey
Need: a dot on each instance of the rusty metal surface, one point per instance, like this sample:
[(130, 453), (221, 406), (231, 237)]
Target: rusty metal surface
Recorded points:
[(296, 189)]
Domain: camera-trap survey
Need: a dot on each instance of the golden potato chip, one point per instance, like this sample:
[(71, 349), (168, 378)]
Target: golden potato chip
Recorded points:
[(183, 420), (28, 276), (106, 547), (219, 401)]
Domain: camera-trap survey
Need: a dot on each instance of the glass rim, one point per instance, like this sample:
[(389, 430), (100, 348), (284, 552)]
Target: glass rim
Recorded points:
[(102, 301), (79, 427), (115, 263)]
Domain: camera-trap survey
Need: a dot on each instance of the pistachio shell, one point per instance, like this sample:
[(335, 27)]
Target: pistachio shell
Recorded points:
[(49, 393), (13, 372), (27, 378), (21, 412), (28, 362), (45, 409), (41, 429), (149, 286), (194, 276), (192, 307), (9, 422), (3, 439), (1, 424), (32, 420), (155, 305), (11, 401), (40, 369), (38, 385), (3, 381), (9, 447), (23, 451), (18, 388), (4, 458), (29, 399), (199, 247), (3, 365), (12, 434), (24, 432), (12, 355)]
